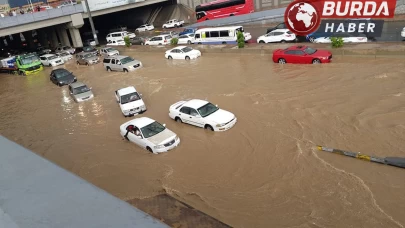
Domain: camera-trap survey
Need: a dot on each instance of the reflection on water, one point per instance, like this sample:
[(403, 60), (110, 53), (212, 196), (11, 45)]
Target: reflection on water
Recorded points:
[(264, 172)]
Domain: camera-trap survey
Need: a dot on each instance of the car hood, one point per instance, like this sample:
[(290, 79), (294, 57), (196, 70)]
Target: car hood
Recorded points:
[(83, 95), (131, 105), (163, 137), (67, 79), (220, 117), (132, 63)]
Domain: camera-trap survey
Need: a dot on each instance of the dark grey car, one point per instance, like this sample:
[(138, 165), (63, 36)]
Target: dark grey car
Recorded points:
[(62, 77), (80, 92)]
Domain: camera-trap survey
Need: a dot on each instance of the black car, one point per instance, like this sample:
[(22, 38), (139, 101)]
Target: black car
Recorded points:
[(62, 77)]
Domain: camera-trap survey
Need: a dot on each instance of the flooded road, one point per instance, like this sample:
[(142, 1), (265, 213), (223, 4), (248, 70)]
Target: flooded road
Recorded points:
[(264, 172)]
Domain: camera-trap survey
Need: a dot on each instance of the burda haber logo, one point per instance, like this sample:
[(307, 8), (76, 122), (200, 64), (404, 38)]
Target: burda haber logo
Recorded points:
[(304, 17)]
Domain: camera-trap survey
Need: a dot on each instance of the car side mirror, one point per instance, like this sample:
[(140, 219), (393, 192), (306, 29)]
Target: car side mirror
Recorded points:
[(140, 94), (164, 125), (216, 106)]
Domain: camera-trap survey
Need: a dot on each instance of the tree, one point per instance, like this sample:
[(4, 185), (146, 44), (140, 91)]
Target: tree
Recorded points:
[(241, 40)]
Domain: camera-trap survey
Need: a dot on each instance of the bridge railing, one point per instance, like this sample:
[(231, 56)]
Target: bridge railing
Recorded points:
[(20, 19)]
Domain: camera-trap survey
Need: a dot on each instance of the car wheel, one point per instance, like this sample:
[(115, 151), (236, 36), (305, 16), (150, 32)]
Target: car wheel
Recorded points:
[(223, 42), (261, 42), (316, 61), (169, 57), (160, 44), (108, 69), (199, 43), (50, 65), (189, 42), (164, 27), (283, 41), (60, 85), (178, 120), (311, 39), (187, 58), (125, 70), (149, 149), (208, 127), (282, 61)]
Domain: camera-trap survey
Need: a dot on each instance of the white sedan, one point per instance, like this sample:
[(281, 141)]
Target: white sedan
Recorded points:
[(403, 32), (115, 43), (146, 27), (149, 134), (202, 114), (278, 35), (65, 56), (186, 39), (51, 60), (182, 52), (351, 39)]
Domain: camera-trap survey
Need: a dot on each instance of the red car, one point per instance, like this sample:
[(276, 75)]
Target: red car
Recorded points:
[(301, 54)]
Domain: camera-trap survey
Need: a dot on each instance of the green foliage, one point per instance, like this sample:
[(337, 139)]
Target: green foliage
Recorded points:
[(79, 1), (127, 41), (241, 40), (174, 41), (337, 42)]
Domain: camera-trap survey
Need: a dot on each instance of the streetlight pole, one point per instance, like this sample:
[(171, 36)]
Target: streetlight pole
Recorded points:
[(93, 30)]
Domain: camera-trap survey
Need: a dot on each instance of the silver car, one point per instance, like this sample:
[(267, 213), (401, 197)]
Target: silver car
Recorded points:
[(86, 59), (80, 92), (121, 63), (66, 49), (109, 51)]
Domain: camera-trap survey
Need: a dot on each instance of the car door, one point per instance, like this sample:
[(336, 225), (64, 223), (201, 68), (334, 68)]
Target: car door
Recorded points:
[(113, 66), (302, 57), (269, 37), (138, 140), (175, 53), (182, 39), (291, 56), (195, 118), (278, 36), (159, 40), (43, 61), (184, 114)]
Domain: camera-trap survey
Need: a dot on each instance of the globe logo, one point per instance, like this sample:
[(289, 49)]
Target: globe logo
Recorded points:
[(302, 18)]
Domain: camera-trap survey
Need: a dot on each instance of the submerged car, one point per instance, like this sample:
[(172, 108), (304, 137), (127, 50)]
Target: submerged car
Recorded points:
[(51, 60), (86, 59), (80, 92), (278, 35), (62, 77), (130, 101), (121, 63), (146, 27), (65, 56), (150, 135), (66, 48), (203, 114), (109, 51), (301, 54), (182, 52)]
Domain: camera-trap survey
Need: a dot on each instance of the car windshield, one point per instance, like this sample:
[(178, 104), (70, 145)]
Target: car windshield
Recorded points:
[(29, 59), (52, 57), (81, 89), (187, 49), (110, 49), (88, 49), (207, 109), (152, 129), (88, 56), (126, 60), (130, 97), (62, 73), (309, 50)]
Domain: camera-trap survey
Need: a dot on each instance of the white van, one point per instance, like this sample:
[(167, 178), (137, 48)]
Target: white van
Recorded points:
[(220, 35), (115, 36)]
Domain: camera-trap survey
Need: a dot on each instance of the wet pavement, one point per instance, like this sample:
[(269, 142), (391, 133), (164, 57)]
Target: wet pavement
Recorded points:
[(264, 172)]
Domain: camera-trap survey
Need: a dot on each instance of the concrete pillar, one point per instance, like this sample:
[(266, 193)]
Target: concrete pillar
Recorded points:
[(63, 36), (53, 38), (76, 38)]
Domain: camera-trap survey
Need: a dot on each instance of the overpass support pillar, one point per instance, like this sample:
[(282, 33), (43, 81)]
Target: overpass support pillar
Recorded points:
[(63, 36), (76, 38), (53, 38)]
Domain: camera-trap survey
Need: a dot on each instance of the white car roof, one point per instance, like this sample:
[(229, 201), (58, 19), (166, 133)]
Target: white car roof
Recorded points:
[(195, 103), (179, 47), (140, 122), (281, 30), (47, 55), (129, 89)]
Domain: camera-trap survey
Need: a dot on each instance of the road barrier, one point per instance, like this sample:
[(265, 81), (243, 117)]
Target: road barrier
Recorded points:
[(392, 161)]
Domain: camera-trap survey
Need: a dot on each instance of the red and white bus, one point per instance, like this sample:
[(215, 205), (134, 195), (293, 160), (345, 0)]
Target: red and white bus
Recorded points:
[(223, 8)]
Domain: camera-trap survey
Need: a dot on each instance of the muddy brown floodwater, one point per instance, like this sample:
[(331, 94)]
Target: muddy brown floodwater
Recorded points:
[(264, 172)]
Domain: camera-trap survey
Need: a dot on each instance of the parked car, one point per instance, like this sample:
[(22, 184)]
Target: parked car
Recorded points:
[(403, 32), (186, 39), (188, 31), (130, 101), (139, 41), (173, 34), (182, 52), (62, 77), (279, 26), (121, 63), (145, 27), (90, 49), (203, 114), (276, 36), (116, 43), (109, 51), (65, 56), (66, 48), (174, 23), (115, 36), (301, 54), (150, 135), (349, 38), (90, 42), (80, 92), (159, 40), (51, 60), (87, 59)]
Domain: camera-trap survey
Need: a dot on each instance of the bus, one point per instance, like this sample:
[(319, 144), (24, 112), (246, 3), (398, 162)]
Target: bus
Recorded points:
[(223, 8), (220, 35)]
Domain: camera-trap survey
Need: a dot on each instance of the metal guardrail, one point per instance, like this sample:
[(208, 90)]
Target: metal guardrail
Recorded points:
[(21, 19), (246, 18)]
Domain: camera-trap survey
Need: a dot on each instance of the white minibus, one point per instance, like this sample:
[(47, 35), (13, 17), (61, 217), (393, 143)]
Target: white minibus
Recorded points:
[(220, 35), (115, 36)]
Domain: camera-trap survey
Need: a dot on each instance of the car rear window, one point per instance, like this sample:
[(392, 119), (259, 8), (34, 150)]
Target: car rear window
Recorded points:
[(106, 60)]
